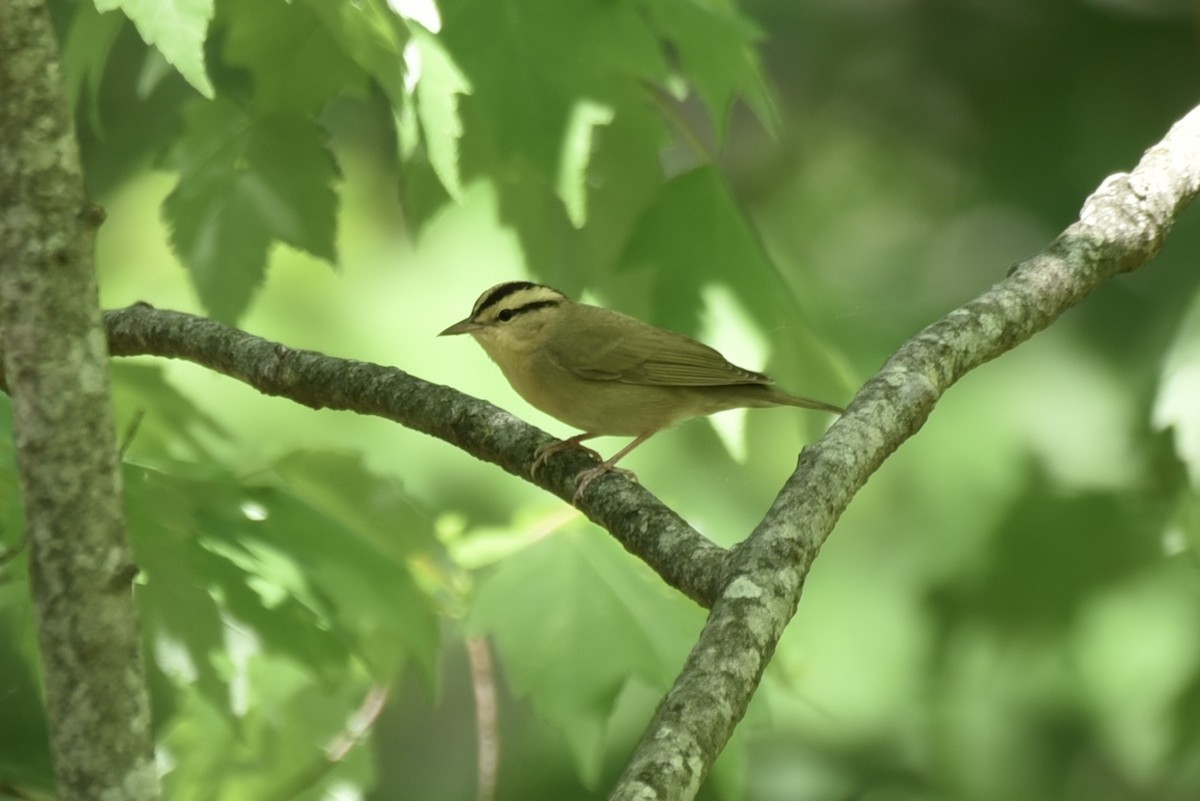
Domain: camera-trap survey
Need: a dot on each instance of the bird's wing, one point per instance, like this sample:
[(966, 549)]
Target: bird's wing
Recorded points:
[(609, 346)]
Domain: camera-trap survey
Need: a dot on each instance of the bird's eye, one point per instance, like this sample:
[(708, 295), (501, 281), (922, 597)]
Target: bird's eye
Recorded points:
[(505, 315)]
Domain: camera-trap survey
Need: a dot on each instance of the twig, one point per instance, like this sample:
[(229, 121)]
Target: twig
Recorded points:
[(131, 432), (359, 724), (487, 730), (356, 730)]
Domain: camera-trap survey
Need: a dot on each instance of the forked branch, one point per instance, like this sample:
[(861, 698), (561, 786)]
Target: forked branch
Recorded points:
[(1122, 227)]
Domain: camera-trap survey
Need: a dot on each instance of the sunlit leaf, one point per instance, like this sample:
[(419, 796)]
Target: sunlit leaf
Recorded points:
[(574, 618), (577, 155), (276, 747), (484, 546), (215, 552), (177, 28), (1176, 406), (374, 509), (694, 233), (245, 182), (438, 88), (368, 33), (530, 63)]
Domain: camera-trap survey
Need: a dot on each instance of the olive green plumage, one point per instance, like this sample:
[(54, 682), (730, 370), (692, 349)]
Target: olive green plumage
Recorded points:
[(607, 373)]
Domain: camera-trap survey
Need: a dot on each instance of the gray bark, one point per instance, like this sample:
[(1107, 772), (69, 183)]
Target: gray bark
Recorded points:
[(55, 366), (1122, 227)]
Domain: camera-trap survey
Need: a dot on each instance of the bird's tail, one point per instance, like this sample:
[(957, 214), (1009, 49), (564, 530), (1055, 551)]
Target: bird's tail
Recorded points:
[(787, 399)]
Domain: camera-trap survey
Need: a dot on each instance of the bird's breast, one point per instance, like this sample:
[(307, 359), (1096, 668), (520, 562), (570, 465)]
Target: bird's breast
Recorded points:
[(594, 406)]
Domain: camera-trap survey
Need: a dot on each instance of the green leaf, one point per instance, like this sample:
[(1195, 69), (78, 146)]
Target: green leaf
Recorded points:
[(24, 742), (372, 36), (1183, 528), (538, 71), (245, 181), (12, 526), (484, 546), (716, 48), (157, 418), (24, 737), (622, 175), (182, 621), (85, 53), (275, 747), (318, 587), (529, 63), (693, 234), (362, 593), (1175, 407), (373, 509), (557, 116), (1051, 556), (437, 90), (177, 28), (295, 60), (574, 618), (577, 154)]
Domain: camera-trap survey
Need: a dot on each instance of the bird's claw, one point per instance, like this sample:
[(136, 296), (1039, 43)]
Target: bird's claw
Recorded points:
[(584, 479), (548, 449)]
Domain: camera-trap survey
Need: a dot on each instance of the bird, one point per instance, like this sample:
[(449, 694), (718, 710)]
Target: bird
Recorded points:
[(606, 373)]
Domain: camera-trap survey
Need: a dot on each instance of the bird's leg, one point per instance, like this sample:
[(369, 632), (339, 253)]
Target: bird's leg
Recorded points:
[(609, 466), (544, 452)]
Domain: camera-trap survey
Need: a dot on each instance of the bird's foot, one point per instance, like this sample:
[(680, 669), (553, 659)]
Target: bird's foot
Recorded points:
[(584, 479), (544, 452)]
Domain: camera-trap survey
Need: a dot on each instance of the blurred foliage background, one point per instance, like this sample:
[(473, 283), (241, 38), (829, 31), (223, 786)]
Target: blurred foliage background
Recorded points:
[(1011, 607)]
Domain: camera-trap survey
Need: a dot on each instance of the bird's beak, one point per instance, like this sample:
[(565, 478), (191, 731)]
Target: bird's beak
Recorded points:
[(461, 327)]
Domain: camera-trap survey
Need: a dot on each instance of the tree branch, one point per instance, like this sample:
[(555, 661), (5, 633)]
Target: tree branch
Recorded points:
[(1121, 227), (684, 558), (54, 357)]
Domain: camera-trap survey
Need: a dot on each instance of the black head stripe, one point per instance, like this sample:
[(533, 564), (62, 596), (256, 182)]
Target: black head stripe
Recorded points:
[(528, 307), (499, 293)]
